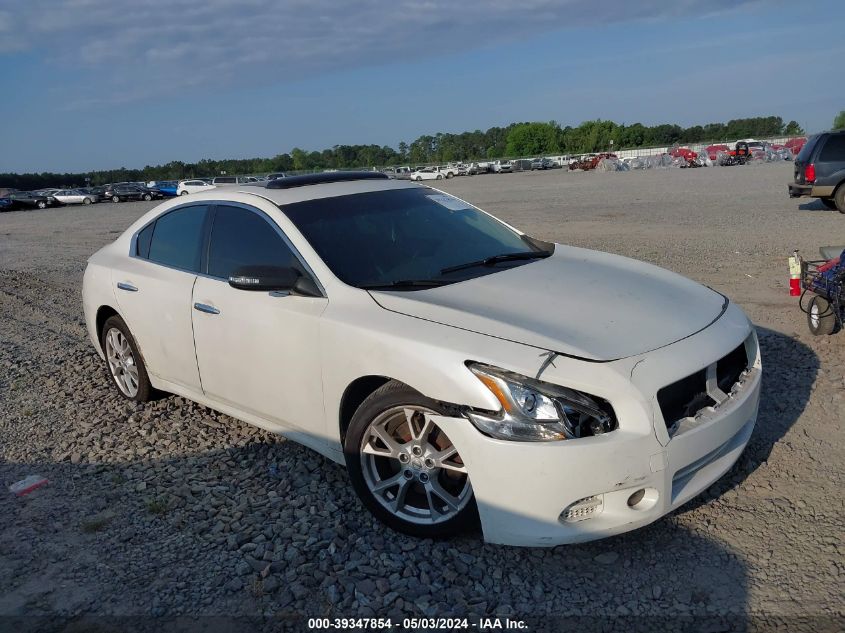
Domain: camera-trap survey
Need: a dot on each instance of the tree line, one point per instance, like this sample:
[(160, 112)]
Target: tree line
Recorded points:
[(514, 140)]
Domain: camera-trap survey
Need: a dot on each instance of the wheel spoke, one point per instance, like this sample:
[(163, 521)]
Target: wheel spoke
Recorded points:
[(399, 502), (437, 490), (426, 427), (386, 484), (381, 433)]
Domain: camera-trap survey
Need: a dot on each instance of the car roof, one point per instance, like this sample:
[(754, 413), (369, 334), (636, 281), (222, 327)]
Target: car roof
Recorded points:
[(338, 187)]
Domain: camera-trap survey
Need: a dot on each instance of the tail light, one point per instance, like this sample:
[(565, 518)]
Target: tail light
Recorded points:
[(810, 173)]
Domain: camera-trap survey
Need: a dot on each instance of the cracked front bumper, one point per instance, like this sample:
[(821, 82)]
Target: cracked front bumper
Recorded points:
[(523, 488)]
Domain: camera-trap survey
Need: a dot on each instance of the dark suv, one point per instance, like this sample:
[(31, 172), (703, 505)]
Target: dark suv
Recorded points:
[(122, 192), (820, 170)]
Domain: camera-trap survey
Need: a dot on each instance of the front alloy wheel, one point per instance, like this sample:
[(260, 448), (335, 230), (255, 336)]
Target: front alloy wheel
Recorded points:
[(405, 468)]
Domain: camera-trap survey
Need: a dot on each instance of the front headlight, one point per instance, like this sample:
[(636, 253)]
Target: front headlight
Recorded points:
[(537, 411)]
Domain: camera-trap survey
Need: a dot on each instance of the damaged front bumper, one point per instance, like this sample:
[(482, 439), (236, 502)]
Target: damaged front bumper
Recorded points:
[(569, 491)]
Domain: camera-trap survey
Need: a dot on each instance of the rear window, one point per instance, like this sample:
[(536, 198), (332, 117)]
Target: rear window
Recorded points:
[(834, 149), (807, 150)]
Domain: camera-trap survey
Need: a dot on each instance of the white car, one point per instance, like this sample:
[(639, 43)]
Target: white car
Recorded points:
[(428, 173), (460, 369), (74, 196), (192, 186), (502, 167)]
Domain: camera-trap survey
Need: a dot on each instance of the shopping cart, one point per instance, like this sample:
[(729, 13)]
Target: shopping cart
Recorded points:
[(823, 290)]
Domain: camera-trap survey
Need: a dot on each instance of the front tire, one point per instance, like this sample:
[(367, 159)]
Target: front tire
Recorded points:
[(404, 468), (183, 193), (147, 197), (41, 204), (439, 177), (86, 201), (820, 317), (115, 198), (124, 362)]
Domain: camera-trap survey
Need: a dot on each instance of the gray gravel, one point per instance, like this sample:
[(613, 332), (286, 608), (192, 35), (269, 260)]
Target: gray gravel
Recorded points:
[(170, 508)]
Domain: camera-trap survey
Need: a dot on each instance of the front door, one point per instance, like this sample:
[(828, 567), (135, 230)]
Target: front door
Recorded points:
[(257, 351)]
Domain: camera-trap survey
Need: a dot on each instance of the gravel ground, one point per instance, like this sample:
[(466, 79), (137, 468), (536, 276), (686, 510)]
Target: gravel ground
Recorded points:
[(170, 508)]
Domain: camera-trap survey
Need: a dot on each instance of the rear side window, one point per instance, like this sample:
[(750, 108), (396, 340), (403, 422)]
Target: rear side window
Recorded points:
[(833, 149), (807, 150), (177, 238), (225, 180), (241, 237), (142, 246)]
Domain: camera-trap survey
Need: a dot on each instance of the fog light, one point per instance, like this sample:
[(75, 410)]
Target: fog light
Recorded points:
[(635, 498), (583, 509)]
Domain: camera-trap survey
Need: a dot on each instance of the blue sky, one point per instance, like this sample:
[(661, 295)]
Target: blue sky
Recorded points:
[(94, 84)]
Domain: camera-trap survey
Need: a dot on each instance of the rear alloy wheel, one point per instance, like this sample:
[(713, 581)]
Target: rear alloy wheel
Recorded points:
[(439, 176), (839, 198), (147, 197), (124, 361), (820, 317), (405, 468), (86, 201), (183, 193)]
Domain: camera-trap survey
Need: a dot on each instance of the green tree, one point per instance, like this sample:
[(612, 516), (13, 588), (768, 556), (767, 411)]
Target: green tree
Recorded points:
[(793, 129), (839, 120)]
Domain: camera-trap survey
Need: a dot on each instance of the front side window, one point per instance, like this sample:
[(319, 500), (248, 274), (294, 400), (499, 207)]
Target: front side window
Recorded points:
[(409, 237), (177, 238), (240, 237)]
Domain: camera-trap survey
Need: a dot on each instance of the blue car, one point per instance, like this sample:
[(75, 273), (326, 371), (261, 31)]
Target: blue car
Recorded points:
[(167, 187)]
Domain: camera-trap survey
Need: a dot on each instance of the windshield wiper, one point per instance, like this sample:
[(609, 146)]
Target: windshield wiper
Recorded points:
[(405, 283), (495, 259)]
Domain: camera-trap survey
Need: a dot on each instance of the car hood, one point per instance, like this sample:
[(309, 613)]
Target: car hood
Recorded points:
[(578, 302)]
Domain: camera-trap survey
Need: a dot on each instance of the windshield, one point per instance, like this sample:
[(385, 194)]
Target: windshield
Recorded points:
[(408, 238)]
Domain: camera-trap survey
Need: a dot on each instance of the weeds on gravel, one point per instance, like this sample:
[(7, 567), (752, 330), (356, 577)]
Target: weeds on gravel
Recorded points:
[(157, 506), (96, 523)]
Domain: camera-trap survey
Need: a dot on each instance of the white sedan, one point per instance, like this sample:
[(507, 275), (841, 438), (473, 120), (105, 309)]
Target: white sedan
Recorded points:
[(74, 196), (429, 173), (460, 369), (192, 186)]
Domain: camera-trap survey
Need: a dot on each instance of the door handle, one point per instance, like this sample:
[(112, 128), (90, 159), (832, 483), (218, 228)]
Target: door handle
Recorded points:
[(204, 307), (122, 285)]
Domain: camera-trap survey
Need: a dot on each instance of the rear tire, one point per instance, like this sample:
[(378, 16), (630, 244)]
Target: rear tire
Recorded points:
[(413, 480), (839, 198), (183, 193), (86, 201), (820, 317), (115, 199), (124, 362), (147, 197)]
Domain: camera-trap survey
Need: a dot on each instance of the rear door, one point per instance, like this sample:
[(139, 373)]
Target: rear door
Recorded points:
[(153, 287), (258, 351)]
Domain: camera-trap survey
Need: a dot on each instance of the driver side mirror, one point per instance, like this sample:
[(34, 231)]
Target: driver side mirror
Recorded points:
[(273, 279)]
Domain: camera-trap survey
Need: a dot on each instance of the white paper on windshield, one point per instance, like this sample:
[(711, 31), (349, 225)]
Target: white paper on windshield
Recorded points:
[(451, 203)]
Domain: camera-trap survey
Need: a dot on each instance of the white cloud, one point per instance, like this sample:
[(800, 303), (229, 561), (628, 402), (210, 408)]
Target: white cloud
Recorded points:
[(213, 41)]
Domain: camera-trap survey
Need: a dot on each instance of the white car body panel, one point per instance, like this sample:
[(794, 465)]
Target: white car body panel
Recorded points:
[(578, 302), (586, 320), (279, 335)]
